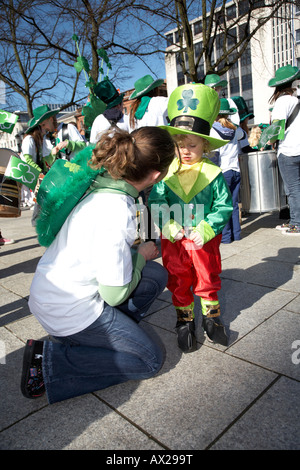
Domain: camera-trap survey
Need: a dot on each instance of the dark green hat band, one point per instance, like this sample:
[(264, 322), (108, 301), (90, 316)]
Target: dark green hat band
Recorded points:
[(191, 123)]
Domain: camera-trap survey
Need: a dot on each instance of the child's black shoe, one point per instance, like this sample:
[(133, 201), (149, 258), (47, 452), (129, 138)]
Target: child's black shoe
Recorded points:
[(213, 326)]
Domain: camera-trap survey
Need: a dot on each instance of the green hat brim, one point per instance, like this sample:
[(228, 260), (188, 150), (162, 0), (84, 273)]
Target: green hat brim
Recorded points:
[(275, 82), (153, 85), (214, 143), (221, 83), (228, 112), (116, 101), (250, 116), (36, 122)]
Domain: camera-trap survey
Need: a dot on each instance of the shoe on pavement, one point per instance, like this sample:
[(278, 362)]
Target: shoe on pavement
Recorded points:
[(32, 382), (6, 241), (294, 230), (285, 226), (213, 326), (186, 335), (185, 329)]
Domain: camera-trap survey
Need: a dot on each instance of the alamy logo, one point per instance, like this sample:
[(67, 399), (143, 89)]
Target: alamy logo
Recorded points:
[(296, 354)]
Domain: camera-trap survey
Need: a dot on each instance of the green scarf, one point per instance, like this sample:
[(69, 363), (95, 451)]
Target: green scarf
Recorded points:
[(142, 107)]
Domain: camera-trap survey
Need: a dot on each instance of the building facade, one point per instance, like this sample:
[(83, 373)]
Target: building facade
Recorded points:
[(275, 44)]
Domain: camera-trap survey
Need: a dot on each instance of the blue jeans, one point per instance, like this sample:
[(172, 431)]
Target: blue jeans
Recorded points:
[(111, 350), (232, 230), (289, 168)]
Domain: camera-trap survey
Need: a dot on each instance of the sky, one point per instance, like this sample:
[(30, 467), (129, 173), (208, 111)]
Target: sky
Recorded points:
[(139, 70)]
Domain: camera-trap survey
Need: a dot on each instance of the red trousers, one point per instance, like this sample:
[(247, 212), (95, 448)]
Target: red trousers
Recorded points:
[(192, 271)]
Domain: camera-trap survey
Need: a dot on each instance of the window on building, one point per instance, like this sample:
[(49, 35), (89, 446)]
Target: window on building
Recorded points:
[(180, 78), (231, 12), (234, 86), (247, 82), (177, 35), (198, 27), (169, 38), (231, 38), (298, 36), (243, 7)]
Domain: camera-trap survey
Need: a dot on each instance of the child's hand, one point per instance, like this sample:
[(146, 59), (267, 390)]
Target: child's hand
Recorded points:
[(196, 238), (179, 235)]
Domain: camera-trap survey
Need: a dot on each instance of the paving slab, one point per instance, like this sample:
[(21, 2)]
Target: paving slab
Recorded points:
[(272, 423)]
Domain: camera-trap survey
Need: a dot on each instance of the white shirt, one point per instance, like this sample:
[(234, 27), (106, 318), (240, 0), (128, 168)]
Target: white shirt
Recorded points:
[(29, 148), (156, 114), (283, 108), (228, 154), (101, 124), (93, 247), (73, 135)]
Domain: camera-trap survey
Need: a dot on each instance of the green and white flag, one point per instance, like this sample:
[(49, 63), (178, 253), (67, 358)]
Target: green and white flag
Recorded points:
[(22, 172), (7, 121), (272, 133)]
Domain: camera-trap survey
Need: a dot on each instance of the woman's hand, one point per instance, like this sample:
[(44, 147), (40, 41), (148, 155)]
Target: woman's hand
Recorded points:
[(148, 250), (60, 146)]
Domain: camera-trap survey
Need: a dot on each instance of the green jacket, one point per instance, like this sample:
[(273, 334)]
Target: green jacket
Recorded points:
[(206, 208)]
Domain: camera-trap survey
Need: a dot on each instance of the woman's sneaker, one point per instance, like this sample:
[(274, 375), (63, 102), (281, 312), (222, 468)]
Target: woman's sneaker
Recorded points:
[(284, 227), (32, 382), (294, 230)]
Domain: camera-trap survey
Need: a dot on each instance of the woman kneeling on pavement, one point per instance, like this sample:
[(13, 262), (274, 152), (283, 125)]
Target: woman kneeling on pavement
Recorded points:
[(90, 292)]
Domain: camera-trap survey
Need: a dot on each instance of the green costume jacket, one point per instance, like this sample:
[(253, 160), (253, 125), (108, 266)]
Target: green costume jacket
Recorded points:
[(206, 208)]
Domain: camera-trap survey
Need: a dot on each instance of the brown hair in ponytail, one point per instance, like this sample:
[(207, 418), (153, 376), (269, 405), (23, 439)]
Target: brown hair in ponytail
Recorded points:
[(133, 156)]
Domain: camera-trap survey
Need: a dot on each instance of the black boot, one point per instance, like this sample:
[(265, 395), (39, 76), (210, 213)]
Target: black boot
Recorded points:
[(185, 329), (213, 326)]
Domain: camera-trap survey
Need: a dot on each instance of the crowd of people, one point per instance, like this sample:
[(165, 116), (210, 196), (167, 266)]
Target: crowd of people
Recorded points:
[(181, 152)]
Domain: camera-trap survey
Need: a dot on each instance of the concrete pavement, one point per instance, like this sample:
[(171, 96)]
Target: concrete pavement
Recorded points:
[(245, 396)]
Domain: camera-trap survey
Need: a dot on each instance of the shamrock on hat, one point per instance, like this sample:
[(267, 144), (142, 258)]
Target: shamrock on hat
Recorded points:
[(192, 109)]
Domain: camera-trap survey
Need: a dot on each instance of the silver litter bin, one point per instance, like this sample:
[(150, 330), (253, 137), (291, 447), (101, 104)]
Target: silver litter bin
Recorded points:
[(261, 187)]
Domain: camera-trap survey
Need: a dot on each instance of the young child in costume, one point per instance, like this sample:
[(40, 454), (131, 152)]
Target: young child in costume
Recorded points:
[(192, 205), (228, 160)]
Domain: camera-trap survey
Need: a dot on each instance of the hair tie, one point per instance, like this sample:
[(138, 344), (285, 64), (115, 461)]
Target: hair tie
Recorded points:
[(133, 140)]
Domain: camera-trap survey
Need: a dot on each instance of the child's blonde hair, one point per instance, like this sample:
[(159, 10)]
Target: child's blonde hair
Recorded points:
[(179, 139), (225, 122)]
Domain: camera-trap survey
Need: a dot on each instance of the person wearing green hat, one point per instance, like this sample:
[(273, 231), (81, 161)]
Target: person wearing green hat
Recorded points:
[(57, 138), (191, 206), (148, 108), (60, 140), (286, 114), (214, 81), (228, 160), (113, 114)]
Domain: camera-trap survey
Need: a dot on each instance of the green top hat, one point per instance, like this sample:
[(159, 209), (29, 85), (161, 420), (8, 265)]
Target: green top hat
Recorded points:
[(40, 114), (283, 75), (213, 80), (242, 108), (192, 109), (144, 85), (225, 107), (106, 91)]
